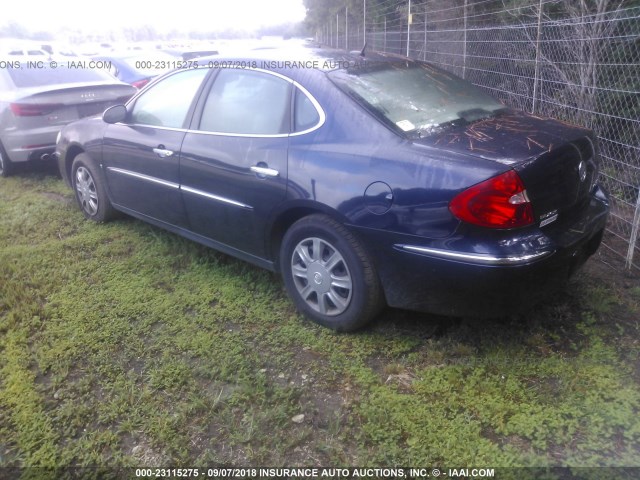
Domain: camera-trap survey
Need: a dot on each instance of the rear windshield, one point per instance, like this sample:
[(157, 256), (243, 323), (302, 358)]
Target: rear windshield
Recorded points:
[(36, 77), (415, 97)]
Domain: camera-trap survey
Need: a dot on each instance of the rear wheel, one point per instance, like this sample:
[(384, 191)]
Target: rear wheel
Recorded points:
[(329, 275), (6, 167), (90, 190)]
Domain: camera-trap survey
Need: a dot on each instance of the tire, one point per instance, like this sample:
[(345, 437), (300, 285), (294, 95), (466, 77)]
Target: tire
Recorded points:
[(88, 186), (6, 167), (329, 275)]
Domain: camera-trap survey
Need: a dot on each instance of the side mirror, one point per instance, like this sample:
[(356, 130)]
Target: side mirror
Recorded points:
[(115, 114)]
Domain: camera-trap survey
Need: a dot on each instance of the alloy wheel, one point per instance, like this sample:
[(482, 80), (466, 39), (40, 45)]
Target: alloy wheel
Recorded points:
[(86, 191), (321, 276)]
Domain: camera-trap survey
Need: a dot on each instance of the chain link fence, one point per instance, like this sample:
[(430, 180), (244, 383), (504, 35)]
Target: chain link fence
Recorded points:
[(573, 60)]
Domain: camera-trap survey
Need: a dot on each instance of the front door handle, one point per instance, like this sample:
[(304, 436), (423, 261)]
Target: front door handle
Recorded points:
[(265, 171), (162, 152)]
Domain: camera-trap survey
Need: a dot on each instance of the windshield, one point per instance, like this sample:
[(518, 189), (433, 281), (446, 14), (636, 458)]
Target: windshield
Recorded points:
[(416, 97)]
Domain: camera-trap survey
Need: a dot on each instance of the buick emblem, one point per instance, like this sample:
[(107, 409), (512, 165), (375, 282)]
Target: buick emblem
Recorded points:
[(582, 171)]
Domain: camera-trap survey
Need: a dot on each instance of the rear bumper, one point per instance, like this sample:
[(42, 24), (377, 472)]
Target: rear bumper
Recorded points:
[(25, 146), (417, 275)]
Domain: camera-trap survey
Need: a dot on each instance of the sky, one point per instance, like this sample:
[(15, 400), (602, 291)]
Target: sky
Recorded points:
[(188, 15)]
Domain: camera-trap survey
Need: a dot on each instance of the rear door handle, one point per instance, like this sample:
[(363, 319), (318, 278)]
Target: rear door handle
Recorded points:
[(162, 152), (265, 171)]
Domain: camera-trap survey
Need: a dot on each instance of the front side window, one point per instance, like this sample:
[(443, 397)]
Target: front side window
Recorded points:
[(416, 97), (166, 103), (247, 102)]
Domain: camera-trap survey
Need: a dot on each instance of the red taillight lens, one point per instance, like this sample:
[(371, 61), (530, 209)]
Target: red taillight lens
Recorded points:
[(33, 109), (500, 202), (140, 83)]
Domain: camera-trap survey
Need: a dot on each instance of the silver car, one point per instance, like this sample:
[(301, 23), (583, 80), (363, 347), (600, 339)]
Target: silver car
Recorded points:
[(36, 101)]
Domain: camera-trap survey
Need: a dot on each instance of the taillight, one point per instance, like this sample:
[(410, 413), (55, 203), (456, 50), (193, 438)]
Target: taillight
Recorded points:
[(140, 83), (500, 202), (33, 109)]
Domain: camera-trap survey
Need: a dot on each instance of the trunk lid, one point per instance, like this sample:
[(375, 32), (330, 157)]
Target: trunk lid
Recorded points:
[(61, 104), (555, 160)]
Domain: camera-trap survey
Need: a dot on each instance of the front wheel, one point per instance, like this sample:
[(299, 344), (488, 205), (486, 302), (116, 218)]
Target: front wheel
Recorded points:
[(329, 275), (90, 190)]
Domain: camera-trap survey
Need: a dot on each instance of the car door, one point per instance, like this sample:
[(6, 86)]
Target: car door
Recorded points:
[(141, 155), (234, 159)]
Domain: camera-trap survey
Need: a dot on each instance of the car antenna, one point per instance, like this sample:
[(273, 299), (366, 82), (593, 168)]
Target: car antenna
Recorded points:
[(363, 49)]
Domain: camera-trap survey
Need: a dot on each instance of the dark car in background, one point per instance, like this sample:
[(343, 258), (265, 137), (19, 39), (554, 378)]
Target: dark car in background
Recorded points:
[(137, 67), (364, 180), (190, 53), (37, 101)]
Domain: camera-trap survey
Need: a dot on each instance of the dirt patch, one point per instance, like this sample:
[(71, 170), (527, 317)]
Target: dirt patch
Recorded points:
[(56, 197), (147, 456)]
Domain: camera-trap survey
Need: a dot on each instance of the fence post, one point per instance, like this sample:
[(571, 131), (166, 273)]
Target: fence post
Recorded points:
[(384, 48), (424, 46), (364, 22), (408, 28), (536, 74), (635, 231), (464, 44), (346, 28)]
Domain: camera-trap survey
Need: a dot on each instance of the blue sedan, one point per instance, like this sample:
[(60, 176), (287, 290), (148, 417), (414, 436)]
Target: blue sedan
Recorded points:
[(365, 180)]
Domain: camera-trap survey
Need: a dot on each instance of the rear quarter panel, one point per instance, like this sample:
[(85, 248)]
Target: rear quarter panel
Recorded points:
[(83, 136), (335, 164)]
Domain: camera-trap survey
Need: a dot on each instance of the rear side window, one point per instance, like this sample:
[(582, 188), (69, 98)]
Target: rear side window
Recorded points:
[(247, 102), (166, 103), (305, 114), (26, 77)]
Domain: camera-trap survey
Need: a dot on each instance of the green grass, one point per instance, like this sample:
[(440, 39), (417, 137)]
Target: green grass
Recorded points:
[(121, 344)]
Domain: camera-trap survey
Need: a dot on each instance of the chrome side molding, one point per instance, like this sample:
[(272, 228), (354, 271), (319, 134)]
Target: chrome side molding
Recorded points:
[(478, 258)]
